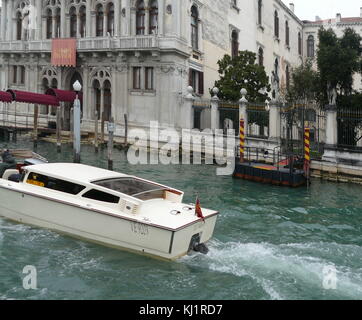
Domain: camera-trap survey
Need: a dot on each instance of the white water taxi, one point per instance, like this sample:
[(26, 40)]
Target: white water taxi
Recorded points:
[(107, 207)]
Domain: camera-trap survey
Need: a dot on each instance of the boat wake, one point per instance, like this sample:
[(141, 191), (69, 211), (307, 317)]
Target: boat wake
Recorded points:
[(288, 271)]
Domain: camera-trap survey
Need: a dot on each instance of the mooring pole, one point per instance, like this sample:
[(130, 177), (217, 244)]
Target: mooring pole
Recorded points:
[(242, 140), (35, 134), (96, 125), (307, 153), (59, 129), (76, 119), (111, 128), (125, 130)]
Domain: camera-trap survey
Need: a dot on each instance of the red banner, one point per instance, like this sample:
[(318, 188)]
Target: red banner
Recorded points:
[(64, 52)]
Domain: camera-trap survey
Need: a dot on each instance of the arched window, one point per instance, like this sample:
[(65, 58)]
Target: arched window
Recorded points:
[(99, 20), (97, 98), (49, 24), (299, 44), (234, 44), (19, 26), (260, 16), (153, 17), (287, 33), (107, 100), (73, 22), (261, 56), (276, 24), (110, 20), (194, 28), (57, 23), (82, 20), (140, 18), (310, 47)]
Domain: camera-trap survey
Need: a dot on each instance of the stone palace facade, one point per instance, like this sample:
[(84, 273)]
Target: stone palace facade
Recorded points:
[(137, 57)]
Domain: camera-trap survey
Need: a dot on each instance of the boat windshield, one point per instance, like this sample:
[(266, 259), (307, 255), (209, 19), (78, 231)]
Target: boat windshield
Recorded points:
[(133, 187)]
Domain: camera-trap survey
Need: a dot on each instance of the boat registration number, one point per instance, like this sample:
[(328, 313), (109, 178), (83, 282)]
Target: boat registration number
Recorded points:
[(139, 228)]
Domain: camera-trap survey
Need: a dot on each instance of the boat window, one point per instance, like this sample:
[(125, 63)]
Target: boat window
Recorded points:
[(133, 187), (54, 184), (101, 196)]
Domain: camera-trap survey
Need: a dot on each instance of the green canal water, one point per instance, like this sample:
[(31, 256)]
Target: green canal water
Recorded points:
[(269, 243)]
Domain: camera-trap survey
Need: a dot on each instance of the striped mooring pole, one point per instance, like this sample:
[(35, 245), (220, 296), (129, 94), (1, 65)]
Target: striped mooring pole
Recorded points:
[(242, 140), (306, 151)]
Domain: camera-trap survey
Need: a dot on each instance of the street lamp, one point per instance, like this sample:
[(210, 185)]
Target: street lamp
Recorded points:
[(76, 122)]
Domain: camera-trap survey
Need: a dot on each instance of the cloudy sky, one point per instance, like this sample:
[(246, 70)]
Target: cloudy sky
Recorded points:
[(308, 9)]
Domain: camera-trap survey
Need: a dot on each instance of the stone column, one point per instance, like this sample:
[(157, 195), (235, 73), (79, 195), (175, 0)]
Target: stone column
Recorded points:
[(132, 22), (78, 25), (274, 120), (187, 115), (88, 29), (331, 126), (9, 25), (117, 17), (3, 19), (243, 109), (330, 153), (105, 24), (215, 114), (147, 21), (63, 27), (161, 16)]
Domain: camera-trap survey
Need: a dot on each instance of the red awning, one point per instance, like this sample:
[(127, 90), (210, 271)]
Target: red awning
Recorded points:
[(63, 95), (34, 98), (5, 97)]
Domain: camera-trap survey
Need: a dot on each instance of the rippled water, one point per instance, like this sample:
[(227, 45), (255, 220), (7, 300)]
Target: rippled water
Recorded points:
[(269, 243)]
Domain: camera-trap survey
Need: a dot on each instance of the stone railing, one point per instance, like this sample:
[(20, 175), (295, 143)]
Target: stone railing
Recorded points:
[(100, 43)]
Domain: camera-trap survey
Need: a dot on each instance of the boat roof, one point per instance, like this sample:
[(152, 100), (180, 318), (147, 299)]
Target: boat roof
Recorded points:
[(80, 173)]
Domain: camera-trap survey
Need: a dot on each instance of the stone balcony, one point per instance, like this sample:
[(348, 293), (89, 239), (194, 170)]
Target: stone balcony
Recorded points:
[(99, 44)]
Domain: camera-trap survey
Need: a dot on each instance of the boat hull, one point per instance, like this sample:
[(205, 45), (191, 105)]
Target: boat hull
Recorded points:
[(110, 230), (279, 177)]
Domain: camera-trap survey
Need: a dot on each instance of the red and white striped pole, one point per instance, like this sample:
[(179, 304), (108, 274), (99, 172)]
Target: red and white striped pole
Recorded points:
[(306, 151), (242, 140)]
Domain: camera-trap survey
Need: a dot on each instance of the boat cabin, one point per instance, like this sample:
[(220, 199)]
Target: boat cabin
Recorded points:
[(98, 185)]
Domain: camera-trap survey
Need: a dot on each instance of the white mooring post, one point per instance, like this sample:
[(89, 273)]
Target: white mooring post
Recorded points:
[(188, 114), (215, 114), (76, 120), (243, 109)]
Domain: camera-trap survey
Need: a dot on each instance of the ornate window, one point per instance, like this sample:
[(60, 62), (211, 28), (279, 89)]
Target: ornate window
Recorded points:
[(287, 33), (299, 43), (99, 20), (195, 28), (276, 24), (110, 19), (49, 24), (19, 26), (261, 56), (153, 17), (57, 23), (82, 20), (73, 22), (260, 13), (310, 47), (234, 44), (287, 77), (140, 18)]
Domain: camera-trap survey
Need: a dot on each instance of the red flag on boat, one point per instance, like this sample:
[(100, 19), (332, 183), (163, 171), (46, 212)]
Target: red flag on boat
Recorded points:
[(198, 210)]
